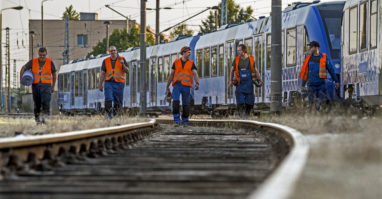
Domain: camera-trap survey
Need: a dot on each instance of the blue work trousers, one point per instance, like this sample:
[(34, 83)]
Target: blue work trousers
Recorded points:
[(317, 93), (180, 89), (42, 94), (114, 92)]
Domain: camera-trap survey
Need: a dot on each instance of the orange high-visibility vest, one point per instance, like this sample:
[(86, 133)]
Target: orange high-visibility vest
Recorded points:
[(304, 73), (251, 61), (183, 74), (45, 74), (117, 73)]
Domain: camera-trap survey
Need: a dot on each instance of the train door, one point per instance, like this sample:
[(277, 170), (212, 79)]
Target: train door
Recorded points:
[(85, 87), (72, 88), (153, 81), (258, 54), (230, 54), (133, 83), (267, 69)]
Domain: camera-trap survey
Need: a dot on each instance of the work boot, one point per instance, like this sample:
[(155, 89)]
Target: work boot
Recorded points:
[(45, 118), (37, 120)]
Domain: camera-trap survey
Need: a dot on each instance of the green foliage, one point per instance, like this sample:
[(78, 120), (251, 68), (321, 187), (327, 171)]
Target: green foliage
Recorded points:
[(73, 14), (235, 14), (122, 40), (181, 30)]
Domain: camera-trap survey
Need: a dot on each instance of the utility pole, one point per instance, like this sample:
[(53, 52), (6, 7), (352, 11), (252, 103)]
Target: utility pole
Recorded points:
[(223, 13), (276, 84), (107, 23), (157, 34), (14, 75), (42, 23), (31, 44), (66, 41), (1, 49), (143, 101), (1, 61), (7, 71)]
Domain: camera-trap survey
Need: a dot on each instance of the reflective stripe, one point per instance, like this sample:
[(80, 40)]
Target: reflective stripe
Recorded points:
[(119, 72), (46, 78), (185, 80), (109, 73), (183, 75), (323, 74), (117, 77), (46, 74)]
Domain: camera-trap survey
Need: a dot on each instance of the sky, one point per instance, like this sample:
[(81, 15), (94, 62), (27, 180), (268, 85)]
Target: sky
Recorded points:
[(17, 21)]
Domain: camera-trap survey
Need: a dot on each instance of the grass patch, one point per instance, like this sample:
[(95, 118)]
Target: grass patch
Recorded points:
[(60, 124)]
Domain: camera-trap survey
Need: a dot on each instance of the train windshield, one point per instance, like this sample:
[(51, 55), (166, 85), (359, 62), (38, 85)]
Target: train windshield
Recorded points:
[(331, 15)]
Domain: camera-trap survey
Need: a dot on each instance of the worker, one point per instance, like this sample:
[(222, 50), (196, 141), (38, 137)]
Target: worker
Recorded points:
[(243, 75), (113, 72), (44, 80), (314, 73), (183, 73)]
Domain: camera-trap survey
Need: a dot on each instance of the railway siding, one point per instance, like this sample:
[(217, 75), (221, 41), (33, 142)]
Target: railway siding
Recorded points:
[(289, 149), (16, 153)]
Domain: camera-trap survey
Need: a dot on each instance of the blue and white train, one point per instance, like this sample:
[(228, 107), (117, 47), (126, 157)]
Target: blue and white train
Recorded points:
[(213, 54), (361, 51)]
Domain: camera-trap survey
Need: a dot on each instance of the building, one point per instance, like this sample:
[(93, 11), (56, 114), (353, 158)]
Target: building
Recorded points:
[(84, 34)]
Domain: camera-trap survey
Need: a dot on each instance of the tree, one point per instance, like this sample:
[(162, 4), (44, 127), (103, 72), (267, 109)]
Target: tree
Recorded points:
[(73, 14), (181, 30), (235, 14), (122, 40)]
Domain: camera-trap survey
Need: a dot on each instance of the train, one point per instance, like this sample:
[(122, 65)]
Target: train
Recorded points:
[(214, 52), (361, 54)]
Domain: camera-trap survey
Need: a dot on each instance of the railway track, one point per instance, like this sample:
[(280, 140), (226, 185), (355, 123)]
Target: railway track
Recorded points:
[(210, 159)]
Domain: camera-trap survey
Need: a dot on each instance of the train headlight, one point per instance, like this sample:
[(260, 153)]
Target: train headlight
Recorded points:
[(337, 65)]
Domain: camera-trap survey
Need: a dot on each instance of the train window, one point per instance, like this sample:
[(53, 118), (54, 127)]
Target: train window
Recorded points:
[(133, 83), (373, 23), (97, 72), (96, 81), (173, 58), (214, 62), (80, 83), (160, 69), (306, 41), (221, 60), (256, 53), (77, 77), (59, 82), (147, 74), (65, 81), (90, 79), (127, 75), (166, 70), (207, 62), (153, 80), (153, 69), (291, 47), (229, 54), (353, 30), (138, 71), (269, 47), (199, 62), (331, 18), (282, 48), (248, 44), (362, 26)]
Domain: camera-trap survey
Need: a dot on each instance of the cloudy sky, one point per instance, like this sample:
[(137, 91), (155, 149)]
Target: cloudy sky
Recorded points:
[(17, 21)]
